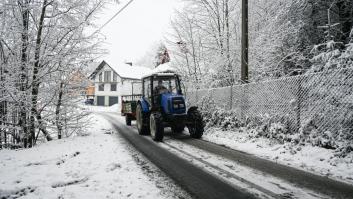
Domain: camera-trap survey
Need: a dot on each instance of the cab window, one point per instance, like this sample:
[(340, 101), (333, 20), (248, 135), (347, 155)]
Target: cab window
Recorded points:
[(147, 88), (165, 84)]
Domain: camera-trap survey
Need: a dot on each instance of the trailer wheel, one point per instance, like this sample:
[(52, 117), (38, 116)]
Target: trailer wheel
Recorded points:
[(128, 120), (142, 121), (156, 125), (195, 123)]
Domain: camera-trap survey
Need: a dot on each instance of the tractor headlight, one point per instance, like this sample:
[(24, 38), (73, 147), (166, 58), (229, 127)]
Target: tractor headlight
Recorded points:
[(178, 104)]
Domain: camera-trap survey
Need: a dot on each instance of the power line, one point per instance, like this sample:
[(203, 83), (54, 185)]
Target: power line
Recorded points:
[(116, 14)]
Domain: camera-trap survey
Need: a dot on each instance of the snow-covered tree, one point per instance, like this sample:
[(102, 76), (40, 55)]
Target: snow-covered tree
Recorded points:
[(202, 42), (346, 58), (162, 55), (282, 37), (41, 42)]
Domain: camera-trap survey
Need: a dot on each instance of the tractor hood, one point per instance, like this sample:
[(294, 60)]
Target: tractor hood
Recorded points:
[(173, 103)]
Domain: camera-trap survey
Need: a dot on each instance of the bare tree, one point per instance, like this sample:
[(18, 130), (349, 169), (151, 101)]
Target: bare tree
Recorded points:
[(53, 42)]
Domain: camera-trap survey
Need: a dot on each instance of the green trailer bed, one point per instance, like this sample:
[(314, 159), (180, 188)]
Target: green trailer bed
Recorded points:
[(128, 107)]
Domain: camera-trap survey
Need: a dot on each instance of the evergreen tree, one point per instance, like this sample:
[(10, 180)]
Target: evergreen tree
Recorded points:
[(162, 56)]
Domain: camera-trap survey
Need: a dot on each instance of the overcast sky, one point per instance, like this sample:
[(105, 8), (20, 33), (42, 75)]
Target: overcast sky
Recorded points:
[(132, 33)]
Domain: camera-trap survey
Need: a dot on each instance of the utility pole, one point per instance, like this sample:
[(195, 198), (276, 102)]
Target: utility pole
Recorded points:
[(245, 43)]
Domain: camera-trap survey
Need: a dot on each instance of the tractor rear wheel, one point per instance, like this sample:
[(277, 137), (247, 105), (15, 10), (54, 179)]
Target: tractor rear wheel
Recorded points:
[(156, 126), (195, 123), (142, 121)]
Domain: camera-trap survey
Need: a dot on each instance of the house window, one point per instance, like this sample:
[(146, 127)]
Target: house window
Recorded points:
[(115, 77), (100, 77), (107, 76), (101, 87), (112, 87)]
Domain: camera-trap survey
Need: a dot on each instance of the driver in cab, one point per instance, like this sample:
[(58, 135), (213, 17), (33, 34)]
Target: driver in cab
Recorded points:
[(160, 88)]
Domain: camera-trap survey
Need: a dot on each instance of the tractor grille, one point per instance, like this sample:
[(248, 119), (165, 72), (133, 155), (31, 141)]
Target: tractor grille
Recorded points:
[(178, 104)]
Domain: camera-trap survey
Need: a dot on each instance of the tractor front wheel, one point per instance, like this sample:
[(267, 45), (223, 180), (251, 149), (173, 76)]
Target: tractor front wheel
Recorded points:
[(195, 123), (156, 126), (141, 121)]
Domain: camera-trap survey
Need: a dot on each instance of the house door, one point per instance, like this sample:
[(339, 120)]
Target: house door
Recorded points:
[(113, 100), (100, 100)]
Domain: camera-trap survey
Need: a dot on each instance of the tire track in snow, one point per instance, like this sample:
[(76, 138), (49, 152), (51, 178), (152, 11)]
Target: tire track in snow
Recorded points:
[(299, 178), (199, 183), (227, 173)]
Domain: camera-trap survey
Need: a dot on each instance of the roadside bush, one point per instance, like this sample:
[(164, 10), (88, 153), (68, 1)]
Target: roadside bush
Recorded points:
[(278, 128), (309, 133), (226, 120), (207, 107), (272, 127)]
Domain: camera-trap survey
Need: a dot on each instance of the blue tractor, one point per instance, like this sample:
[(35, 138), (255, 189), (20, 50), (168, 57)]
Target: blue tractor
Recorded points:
[(163, 105)]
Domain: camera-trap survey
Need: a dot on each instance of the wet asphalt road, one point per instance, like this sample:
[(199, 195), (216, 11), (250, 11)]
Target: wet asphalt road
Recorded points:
[(198, 183), (300, 178), (201, 184)]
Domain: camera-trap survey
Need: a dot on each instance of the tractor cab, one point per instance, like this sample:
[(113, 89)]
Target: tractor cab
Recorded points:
[(163, 105), (162, 92)]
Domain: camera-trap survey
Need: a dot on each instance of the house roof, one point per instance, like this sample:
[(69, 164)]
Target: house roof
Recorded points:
[(125, 71)]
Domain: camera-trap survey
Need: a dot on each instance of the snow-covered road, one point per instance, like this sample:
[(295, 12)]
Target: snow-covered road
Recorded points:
[(195, 180), (98, 165), (258, 176), (104, 163)]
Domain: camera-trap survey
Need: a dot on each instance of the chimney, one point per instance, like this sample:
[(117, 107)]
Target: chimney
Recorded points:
[(129, 63)]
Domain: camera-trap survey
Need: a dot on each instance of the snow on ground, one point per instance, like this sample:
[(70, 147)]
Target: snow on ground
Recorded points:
[(98, 165), (313, 159), (259, 183), (116, 108)]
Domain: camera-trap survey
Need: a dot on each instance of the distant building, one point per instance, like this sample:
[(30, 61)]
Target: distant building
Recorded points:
[(78, 83), (113, 81), (90, 91)]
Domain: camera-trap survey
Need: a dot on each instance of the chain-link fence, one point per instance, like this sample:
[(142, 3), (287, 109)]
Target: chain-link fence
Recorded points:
[(319, 101)]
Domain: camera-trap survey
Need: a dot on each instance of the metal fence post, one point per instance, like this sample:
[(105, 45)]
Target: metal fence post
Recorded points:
[(242, 103), (197, 97), (231, 97), (299, 104)]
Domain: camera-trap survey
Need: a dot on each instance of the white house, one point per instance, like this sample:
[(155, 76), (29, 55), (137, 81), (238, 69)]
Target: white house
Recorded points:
[(113, 81)]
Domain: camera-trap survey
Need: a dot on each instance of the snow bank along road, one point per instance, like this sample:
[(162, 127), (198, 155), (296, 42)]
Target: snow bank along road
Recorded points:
[(97, 164), (207, 170)]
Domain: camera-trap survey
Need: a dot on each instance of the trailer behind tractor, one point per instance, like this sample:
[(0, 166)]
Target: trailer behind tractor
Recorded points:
[(128, 107)]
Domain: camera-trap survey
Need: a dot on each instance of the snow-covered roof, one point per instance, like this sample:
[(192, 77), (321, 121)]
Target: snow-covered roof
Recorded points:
[(161, 69), (130, 72), (125, 71)]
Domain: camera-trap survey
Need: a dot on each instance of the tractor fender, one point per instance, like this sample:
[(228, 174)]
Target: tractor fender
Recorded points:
[(144, 105)]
